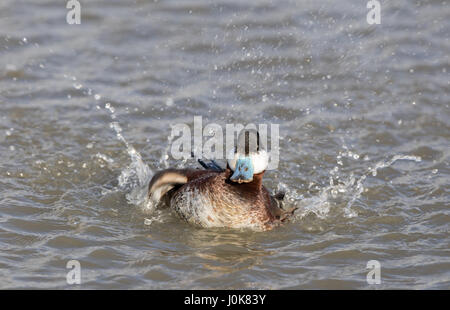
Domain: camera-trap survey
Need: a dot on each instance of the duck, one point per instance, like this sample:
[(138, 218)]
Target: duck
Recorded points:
[(214, 197)]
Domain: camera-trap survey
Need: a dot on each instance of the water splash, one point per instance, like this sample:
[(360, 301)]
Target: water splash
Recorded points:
[(344, 193), (135, 177), (393, 160)]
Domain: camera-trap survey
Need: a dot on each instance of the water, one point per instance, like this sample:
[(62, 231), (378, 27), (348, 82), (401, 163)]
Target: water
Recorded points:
[(85, 115)]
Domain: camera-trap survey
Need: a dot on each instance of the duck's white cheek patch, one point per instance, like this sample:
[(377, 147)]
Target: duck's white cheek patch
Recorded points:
[(232, 164), (232, 161), (260, 161)]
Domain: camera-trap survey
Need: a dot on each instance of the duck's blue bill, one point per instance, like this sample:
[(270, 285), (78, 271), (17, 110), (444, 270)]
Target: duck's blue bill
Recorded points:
[(243, 171)]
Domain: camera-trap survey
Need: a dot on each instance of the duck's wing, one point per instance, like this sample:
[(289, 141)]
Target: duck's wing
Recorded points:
[(212, 165), (169, 179)]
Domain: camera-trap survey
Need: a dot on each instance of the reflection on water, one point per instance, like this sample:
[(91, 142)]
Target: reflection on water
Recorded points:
[(226, 252)]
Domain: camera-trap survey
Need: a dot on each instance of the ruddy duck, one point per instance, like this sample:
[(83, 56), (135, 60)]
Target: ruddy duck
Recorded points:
[(234, 197)]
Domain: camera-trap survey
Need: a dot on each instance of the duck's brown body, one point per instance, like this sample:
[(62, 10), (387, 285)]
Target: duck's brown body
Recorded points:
[(208, 198)]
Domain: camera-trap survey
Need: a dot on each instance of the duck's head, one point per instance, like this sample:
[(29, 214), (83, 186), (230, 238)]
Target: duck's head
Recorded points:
[(249, 157)]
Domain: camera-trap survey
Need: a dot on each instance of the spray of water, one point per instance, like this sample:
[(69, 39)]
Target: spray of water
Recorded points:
[(135, 177), (346, 192)]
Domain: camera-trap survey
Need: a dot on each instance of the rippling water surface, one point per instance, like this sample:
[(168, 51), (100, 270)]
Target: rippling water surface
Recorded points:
[(85, 115)]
